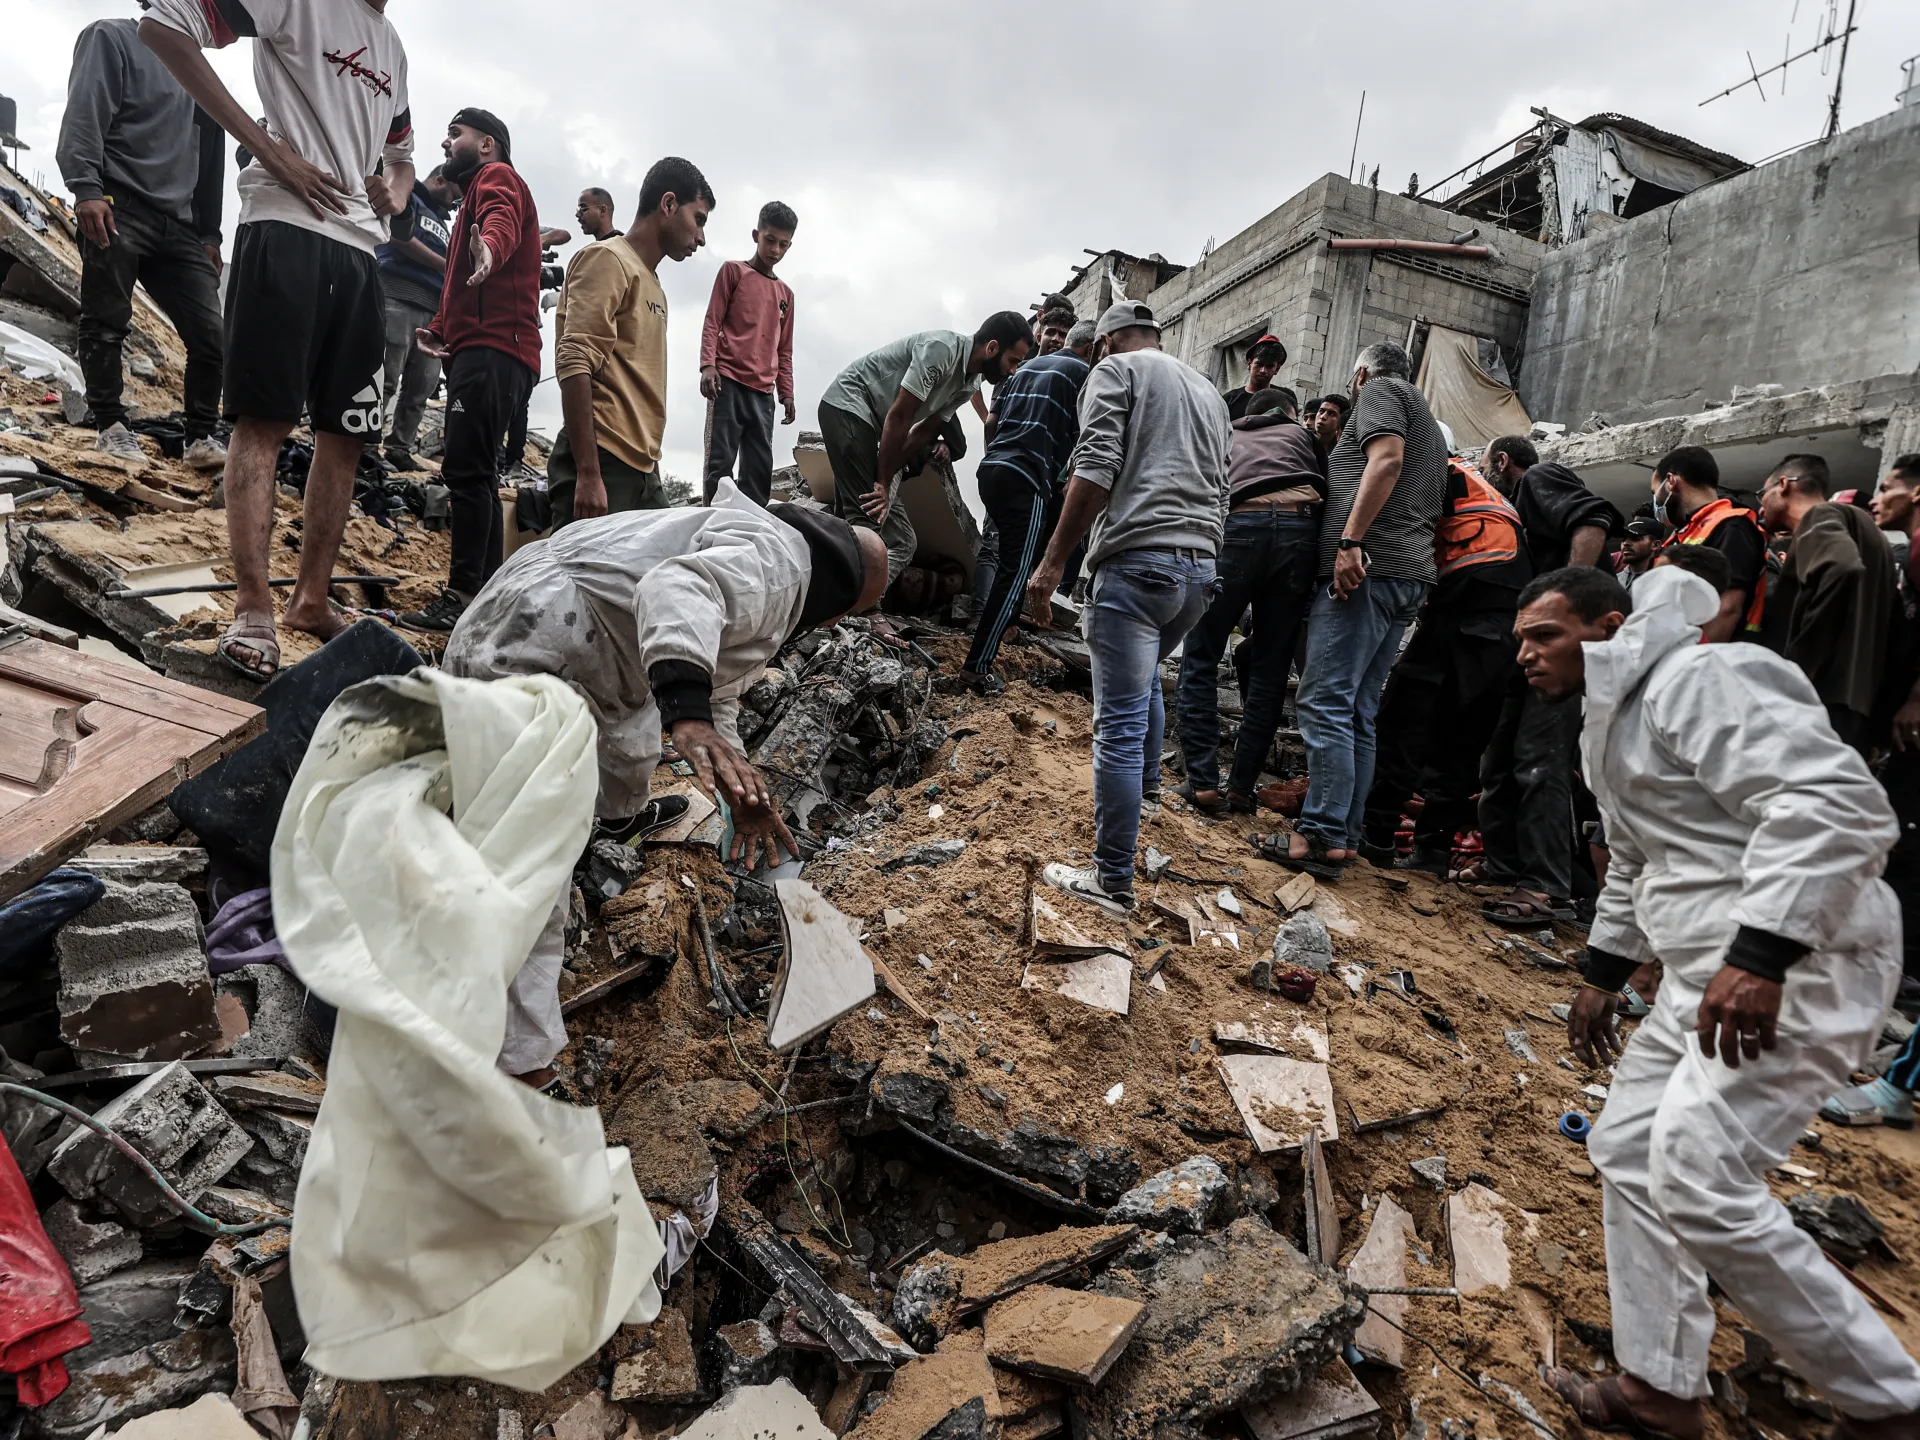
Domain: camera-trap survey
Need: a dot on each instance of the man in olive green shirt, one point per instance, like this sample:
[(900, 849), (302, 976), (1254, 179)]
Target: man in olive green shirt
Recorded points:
[(889, 404), (611, 354)]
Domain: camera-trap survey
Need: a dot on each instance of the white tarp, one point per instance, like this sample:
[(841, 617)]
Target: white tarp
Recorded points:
[(449, 1220), (37, 359)]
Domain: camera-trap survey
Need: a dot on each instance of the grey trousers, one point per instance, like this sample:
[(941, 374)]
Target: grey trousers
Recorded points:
[(411, 373)]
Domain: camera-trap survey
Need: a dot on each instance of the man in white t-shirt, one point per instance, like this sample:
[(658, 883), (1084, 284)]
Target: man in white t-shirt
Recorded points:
[(305, 324)]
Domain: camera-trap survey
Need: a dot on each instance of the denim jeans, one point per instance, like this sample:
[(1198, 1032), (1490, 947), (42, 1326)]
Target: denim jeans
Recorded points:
[(1351, 645), (1267, 561), (1142, 605)]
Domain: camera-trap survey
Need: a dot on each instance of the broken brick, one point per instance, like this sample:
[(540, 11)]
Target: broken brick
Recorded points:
[(134, 983)]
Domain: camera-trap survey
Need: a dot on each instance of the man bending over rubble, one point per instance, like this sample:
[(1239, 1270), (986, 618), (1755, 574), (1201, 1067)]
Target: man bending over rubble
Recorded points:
[(660, 619), (1746, 840)]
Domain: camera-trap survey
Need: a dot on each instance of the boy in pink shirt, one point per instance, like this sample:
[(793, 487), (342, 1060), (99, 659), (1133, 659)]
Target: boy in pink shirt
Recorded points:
[(746, 357)]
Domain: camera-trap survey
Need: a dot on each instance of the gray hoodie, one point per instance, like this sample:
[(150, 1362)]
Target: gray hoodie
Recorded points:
[(1155, 435)]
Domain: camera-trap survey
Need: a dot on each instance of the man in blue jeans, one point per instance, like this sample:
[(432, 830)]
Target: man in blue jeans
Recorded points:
[(1277, 481), (1150, 485), (1386, 484)]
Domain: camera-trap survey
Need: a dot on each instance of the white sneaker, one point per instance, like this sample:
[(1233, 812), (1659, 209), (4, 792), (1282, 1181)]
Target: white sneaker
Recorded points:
[(1085, 885), (118, 442), (206, 453)]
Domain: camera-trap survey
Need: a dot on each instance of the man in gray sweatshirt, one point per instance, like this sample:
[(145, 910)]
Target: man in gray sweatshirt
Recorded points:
[(1150, 482), (145, 168)]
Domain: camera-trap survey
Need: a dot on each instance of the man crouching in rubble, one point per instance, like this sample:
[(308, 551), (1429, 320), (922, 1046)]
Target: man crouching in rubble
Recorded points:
[(1746, 844), (660, 619)]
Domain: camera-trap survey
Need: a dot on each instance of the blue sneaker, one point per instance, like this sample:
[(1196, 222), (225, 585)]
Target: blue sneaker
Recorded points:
[(1877, 1102)]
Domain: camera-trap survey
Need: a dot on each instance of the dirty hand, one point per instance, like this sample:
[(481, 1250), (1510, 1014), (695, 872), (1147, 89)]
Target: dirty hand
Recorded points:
[(1040, 590), (939, 454), (759, 834), (213, 257), (380, 196), (431, 344), (1743, 1007), (710, 382), (589, 494), (792, 414), (95, 218), (1906, 726), (876, 502), (316, 189), (1349, 569), (1590, 1027), (718, 764), (482, 257)]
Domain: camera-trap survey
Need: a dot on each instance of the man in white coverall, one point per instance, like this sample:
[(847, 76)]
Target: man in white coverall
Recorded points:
[(1747, 842), (661, 620)]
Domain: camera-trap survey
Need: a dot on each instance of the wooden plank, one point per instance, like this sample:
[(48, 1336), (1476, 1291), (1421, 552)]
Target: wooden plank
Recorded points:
[(50, 667), (1323, 1215), (825, 973), (1382, 1262), (1279, 1099), (1070, 1335), (1180, 910)]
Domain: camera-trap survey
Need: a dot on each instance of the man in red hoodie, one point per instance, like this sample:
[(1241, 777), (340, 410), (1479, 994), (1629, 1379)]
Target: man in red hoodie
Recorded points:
[(488, 332)]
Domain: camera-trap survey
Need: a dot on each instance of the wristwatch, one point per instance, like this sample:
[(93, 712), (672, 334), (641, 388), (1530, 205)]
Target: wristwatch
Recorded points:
[(1347, 542)]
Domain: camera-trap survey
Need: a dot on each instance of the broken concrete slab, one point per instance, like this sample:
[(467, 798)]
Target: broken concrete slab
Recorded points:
[(948, 1395), (1280, 1098), (1332, 1405), (133, 1307), (760, 1412), (138, 864), (1477, 1235), (744, 1353), (1101, 982), (211, 1417), (158, 1377), (1181, 1201), (1381, 1261), (1303, 943), (1080, 931), (93, 1249), (268, 1090), (1070, 1335), (273, 1005), (824, 973), (281, 1135), (171, 1119), (659, 1369), (1235, 1317), (937, 1290), (134, 983), (590, 1418)]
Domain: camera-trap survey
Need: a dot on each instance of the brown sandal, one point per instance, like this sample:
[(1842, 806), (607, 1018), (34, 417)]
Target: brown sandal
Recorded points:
[(257, 636), (1315, 862), (1601, 1405), (1525, 910)]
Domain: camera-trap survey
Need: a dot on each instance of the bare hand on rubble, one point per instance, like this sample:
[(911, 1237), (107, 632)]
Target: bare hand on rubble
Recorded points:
[(95, 218), (1591, 1030), (876, 502), (758, 830), (318, 190), (1742, 1009), (760, 835), (482, 257)]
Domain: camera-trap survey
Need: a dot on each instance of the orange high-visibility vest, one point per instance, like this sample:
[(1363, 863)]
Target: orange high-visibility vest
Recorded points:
[(1709, 518), (1480, 528)]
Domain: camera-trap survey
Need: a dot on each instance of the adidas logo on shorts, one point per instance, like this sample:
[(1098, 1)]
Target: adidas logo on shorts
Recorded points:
[(364, 414)]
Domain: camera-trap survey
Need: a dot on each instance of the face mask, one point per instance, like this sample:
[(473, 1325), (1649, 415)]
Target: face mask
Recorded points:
[(1660, 498)]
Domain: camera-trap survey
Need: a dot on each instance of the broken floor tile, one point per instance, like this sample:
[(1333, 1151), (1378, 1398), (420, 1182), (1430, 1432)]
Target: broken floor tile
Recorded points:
[(1067, 927), (1302, 1039), (1332, 1405), (591, 1417), (211, 1417), (1102, 982), (1382, 1261), (1237, 1315), (171, 1119), (134, 983), (936, 1291), (93, 1249), (824, 973), (1432, 1169), (1278, 1098), (1296, 894), (1181, 1201), (659, 1370), (1477, 1235), (1070, 1335), (760, 1412)]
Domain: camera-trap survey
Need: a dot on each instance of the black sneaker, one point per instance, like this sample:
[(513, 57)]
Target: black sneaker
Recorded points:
[(440, 616), (662, 813), (1381, 857), (401, 458)]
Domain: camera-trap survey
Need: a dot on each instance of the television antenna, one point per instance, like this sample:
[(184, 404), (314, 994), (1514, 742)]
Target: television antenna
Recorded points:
[(1834, 34)]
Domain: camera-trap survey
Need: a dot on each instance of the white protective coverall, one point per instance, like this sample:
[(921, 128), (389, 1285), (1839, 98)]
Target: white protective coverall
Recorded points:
[(598, 604), (449, 1221), (1729, 801)]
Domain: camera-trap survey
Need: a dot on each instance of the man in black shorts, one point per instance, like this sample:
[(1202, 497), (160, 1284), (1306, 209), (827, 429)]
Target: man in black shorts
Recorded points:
[(306, 329)]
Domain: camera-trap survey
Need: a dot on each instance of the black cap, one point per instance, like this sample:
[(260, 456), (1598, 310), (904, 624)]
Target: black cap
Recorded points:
[(1647, 528), (487, 123), (839, 569)]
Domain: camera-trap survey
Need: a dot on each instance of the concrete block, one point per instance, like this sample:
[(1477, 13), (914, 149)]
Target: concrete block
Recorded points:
[(743, 1354), (92, 1249), (274, 1003), (170, 1119), (158, 1377), (660, 1368), (132, 1309), (133, 977), (760, 1410), (283, 1135), (1181, 1201), (261, 1173), (269, 1091)]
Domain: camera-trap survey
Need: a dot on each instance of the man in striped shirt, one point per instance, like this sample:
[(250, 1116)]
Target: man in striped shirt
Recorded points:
[(1030, 437)]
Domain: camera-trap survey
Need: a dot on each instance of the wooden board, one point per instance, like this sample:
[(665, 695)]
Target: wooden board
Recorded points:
[(1329, 1406), (824, 971), (1280, 1098), (1382, 1261), (1102, 981), (1323, 1215), (87, 744), (1070, 1335)]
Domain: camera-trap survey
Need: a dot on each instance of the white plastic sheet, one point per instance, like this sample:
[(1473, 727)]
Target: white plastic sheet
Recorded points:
[(37, 359), (449, 1220)]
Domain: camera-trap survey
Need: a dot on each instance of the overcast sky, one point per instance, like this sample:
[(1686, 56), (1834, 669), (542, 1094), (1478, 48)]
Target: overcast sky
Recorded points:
[(947, 162)]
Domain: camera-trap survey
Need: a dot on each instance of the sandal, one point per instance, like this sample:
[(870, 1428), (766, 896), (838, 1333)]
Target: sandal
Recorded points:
[(1601, 1405), (1522, 909), (1315, 862), (257, 636), (1215, 806)]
